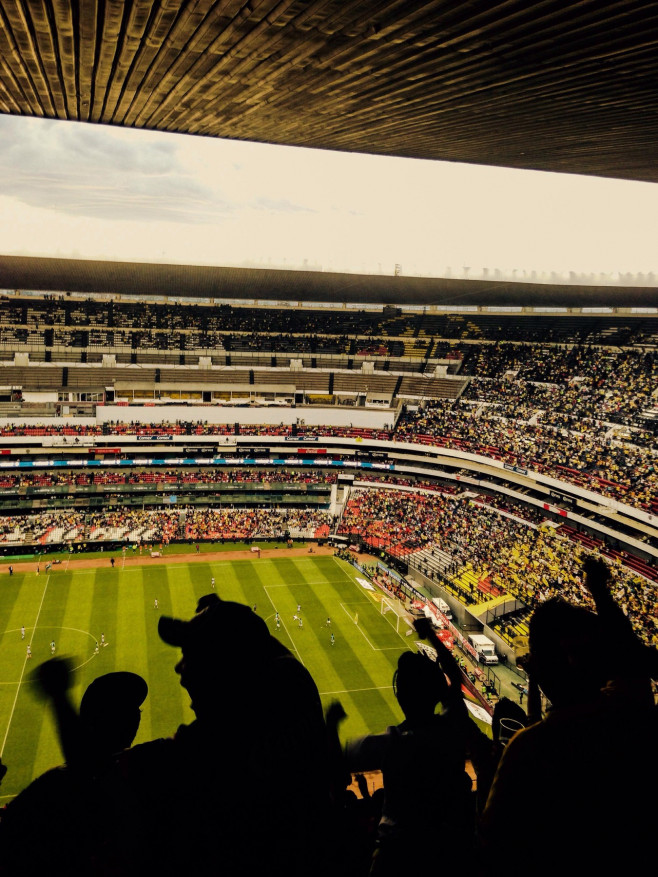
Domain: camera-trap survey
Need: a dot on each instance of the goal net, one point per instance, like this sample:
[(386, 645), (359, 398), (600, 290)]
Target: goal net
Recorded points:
[(391, 612)]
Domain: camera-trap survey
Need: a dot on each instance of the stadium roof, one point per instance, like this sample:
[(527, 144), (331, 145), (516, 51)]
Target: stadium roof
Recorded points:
[(126, 278), (541, 85)]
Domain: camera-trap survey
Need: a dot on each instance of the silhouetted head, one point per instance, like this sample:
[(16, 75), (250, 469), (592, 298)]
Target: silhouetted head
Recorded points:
[(225, 646), (110, 711), (419, 685), (569, 657)]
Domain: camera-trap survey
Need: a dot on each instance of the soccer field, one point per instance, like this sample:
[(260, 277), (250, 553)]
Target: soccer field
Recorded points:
[(74, 608)]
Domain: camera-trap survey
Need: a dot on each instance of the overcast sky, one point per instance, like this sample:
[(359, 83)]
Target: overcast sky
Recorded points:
[(89, 191)]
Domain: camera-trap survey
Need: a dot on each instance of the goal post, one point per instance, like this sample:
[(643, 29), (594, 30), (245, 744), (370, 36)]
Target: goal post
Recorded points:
[(391, 613)]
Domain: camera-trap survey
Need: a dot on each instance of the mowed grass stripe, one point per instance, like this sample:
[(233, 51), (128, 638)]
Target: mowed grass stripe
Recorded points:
[(131, 635), (168, 703), (31, 746), (52, 627), (105, 610), (19, 601), (29, 721), (76, 641), (287, 572), (241, 583)]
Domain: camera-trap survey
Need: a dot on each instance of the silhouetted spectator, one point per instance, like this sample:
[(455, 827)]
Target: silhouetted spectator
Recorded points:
[(574, 784), (64, 818), (425, 786), (243, 788)]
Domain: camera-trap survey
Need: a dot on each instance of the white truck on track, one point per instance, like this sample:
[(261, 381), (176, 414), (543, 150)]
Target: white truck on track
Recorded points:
[(484, 648)]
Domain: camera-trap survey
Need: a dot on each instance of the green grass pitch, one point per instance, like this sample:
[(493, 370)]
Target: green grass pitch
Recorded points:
[(75, 607)]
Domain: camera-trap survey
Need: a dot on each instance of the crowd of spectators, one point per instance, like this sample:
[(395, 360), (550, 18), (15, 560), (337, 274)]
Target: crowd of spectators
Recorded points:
[(78, 528), (33, 312), (583, 384), (193, 326), (133, 525), (619, 469), (492, 550), (241, 524), (42, 528), (209, 475)]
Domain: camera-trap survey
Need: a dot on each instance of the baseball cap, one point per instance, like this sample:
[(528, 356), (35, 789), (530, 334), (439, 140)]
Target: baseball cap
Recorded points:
[(220, 624)]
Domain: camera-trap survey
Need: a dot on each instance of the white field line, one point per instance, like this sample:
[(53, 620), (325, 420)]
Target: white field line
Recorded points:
[(50, 627), (20, 681), (212, 566), (266, 589), (353, 690), (310, 584), (351, 617)]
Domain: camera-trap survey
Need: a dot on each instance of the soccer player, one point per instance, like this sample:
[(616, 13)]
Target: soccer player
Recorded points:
[(103, 643), (52, 647), (254, 608), (301, 623), (155, 603), (212, 582), (356, 618), (29, 651), (333, 639), (328, 622), (23, 632), (299, 609)]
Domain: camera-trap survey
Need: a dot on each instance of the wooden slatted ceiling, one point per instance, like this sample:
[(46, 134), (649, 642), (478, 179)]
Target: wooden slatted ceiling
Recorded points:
[(549, 85)]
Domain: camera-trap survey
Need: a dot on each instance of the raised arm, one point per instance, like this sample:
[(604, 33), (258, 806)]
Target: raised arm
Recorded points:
[(445, 661), (52, 681), (631, 659)]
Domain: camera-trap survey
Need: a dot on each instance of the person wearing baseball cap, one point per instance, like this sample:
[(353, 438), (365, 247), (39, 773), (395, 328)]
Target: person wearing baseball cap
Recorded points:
[(225, 636), (251, 764)]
